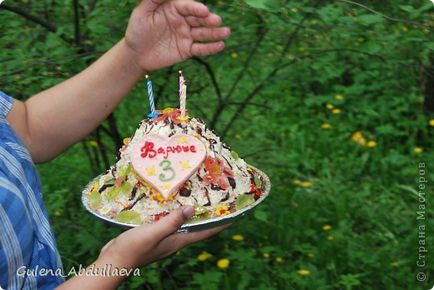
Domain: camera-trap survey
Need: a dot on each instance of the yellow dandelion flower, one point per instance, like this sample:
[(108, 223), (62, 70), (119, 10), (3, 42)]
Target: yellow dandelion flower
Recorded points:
[(330, 106), (311, 255), (404, 28), (306, 184), (266, 255), (57, 213), (418, 150), (371, 144), (336, 111), (339, 97), (127, 140), (280, 260), (358, 138), (326, 126), (234, 55), (237, 238), (223, 263), (296, 181), (222, 210), (330, 238), (303, 272), (238, 136), (431, 122), (326, 228), (93, 143), (204, 256)]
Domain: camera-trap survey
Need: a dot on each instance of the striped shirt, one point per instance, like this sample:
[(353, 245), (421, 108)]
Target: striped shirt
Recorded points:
[(28, 252)]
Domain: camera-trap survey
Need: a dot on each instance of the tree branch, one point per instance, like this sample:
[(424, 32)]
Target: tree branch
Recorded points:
[(211, 74), (50, 27), (25, 14), (77, 30)]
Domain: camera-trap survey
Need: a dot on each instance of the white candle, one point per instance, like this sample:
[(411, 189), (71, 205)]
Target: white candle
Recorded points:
[(182, 100)]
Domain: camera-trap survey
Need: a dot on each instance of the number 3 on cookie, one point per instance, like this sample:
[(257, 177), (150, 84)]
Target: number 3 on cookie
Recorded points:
[(169, 171)]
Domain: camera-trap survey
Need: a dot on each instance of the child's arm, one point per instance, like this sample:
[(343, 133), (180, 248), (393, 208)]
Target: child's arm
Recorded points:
[(160, 33)]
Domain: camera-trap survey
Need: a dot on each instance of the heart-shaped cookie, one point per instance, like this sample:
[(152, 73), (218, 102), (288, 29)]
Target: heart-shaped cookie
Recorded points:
[(166, 163)]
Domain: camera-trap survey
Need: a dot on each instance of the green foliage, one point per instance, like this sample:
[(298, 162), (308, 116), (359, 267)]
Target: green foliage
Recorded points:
[(269, 5), (293, 64)]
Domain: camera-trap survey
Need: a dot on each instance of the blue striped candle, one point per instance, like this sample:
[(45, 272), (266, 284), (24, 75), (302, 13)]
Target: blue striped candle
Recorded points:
[(153, 113)]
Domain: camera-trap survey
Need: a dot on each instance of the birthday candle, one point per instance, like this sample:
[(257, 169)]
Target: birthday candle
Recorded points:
[(181, 82), (183, 99), (182, 94), (153, 114)]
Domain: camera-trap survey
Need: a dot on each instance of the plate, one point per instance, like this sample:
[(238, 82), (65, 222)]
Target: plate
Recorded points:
[(196, 225)]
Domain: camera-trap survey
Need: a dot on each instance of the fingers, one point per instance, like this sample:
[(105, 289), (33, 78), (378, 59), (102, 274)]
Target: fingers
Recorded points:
[(194, 237), (192, 8), (210, 34), (212, 20), (202, 49), (175, 242), (169, 224)]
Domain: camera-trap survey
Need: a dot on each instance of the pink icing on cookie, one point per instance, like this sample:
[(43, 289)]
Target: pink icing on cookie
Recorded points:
[(166, 163)]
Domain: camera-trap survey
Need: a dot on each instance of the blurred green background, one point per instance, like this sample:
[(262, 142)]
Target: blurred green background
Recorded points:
[(334, 100)]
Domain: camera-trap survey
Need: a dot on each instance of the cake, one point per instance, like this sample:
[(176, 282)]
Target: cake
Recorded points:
[(172, 161)]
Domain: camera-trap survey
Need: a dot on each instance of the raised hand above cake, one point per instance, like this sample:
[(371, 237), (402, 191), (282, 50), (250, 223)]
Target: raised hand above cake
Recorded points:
[(165, 32)]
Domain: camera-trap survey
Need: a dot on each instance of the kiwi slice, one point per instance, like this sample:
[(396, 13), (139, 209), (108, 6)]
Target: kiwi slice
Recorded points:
[(235, 155), (130, 217), (124, 170), (243, 201), (258, 182), (94, 199), (112, 193), (115, 192), (126, 188)]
